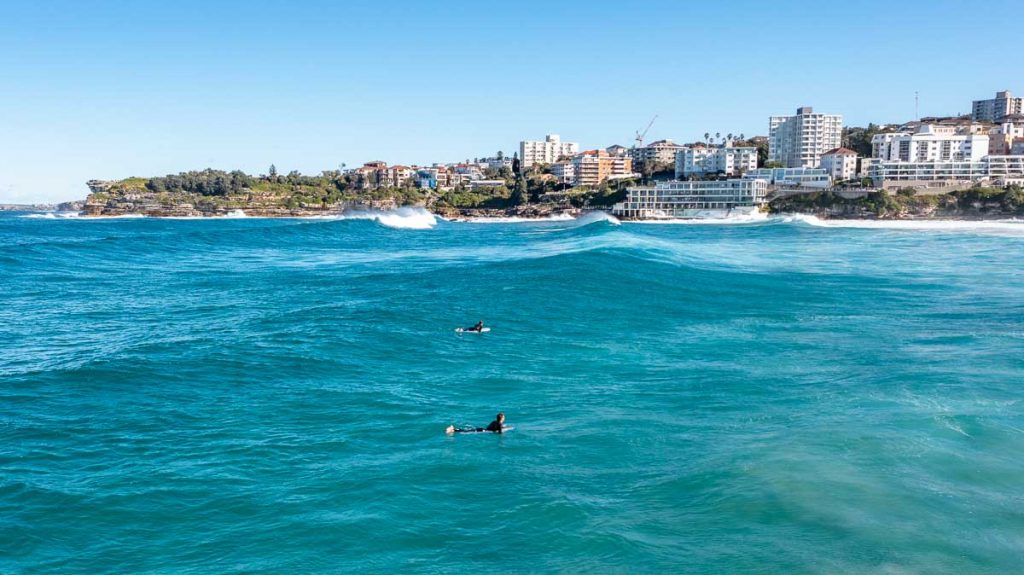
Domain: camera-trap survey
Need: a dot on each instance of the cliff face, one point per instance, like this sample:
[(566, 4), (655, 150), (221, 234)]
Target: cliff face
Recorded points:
[(975, 203)]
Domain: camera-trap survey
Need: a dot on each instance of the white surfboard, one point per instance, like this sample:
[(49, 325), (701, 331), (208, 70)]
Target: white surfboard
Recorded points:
[(464, 330)]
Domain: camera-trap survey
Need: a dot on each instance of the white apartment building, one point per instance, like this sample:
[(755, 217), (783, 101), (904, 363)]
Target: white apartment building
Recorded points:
[(840, 163), (678, 199), (564, 172), (895, 173), (548, 151), (792, 177), (702, 160), (799, 141), (661, 152), (992, 110), (930, 143)]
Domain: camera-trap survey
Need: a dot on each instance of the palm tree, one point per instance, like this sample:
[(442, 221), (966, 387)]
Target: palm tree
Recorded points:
[(707, 137), (729, 137), (718, 136)]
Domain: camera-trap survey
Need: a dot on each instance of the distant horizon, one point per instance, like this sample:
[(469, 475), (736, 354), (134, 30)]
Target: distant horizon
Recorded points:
[(247, 85)]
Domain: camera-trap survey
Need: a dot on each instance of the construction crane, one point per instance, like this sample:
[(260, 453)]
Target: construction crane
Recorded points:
[(640, 135)]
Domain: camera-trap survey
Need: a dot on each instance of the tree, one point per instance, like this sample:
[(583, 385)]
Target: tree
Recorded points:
[(273, 171), (519, 196), (718, 136), (707, 137)]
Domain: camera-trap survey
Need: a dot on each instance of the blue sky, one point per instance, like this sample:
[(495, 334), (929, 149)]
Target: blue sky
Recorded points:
[(92, 89)]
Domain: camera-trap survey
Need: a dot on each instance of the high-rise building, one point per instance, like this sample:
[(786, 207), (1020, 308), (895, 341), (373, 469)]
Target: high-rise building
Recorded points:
[(992, 110), (799, 141), (548, 151)]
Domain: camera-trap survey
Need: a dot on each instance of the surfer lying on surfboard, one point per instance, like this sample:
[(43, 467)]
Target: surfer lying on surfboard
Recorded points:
[(478, 328), (496, 426)]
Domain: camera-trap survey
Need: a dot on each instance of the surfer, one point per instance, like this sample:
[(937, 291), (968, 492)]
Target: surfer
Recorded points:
[(496, 426), (478, 327)]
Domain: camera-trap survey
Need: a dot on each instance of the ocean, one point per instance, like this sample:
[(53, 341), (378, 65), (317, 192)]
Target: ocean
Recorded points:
[(241, 395)]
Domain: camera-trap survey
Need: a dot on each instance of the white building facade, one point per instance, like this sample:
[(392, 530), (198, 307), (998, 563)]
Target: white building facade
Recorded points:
[(677, 199), (547, 151), (701, 160), (840, 163), (799, 141), (930, 143), (661, 152), (816, 178)]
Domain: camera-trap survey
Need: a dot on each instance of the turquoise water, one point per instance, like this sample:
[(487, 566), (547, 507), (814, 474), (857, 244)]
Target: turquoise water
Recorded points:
[(239, 396)]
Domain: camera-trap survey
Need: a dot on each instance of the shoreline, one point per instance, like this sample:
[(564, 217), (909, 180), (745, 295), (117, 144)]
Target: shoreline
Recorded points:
[(502, 216)]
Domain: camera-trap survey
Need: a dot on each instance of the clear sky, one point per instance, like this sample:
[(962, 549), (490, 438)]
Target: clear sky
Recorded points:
[(92, 89)]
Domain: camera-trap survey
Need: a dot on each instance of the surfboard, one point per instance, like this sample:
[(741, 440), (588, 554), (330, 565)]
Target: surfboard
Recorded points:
[(505, 429), (464, 330)]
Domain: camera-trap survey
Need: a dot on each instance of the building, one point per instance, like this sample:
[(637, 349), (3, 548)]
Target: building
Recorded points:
[(799, 141), (617, 150), (548, 151), (474, 184), (592, 167), (993, 110), (1002, 136), (930, 143), (496, 163), (792, 177), (703, 160), (660, 152), (990, 169), (564, 173), (840, 164), (692, 199)]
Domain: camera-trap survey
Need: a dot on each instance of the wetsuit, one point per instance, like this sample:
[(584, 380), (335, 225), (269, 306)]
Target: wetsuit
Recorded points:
[(493, 426)]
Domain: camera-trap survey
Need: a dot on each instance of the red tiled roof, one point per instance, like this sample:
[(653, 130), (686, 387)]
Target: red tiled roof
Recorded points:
[(843, 151)]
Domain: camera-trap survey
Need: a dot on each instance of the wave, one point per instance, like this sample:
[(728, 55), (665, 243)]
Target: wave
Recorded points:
[(597, 217), (517, 219), (1010, 225), (51, 216), (400, 218)]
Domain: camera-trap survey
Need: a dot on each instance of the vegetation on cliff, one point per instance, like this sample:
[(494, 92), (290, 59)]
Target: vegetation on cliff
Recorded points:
[(215, 191)]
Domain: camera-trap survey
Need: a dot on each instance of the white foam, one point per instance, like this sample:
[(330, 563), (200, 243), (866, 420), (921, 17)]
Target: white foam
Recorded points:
[(52, 216), (401, 218), (518, 220), (752, 218), (1013, 226), (235, 214), (594, 217)]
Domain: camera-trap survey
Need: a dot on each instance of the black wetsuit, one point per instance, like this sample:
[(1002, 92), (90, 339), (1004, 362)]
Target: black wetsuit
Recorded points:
[(494, 426)]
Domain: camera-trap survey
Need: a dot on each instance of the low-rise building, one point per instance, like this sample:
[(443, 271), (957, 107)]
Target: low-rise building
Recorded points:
[(659, 152), (792, 177), (930, 143), (840, 163), (993, 169), (692, 199), (703, 160), (592, 167), (474, 184), (564, 173)]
